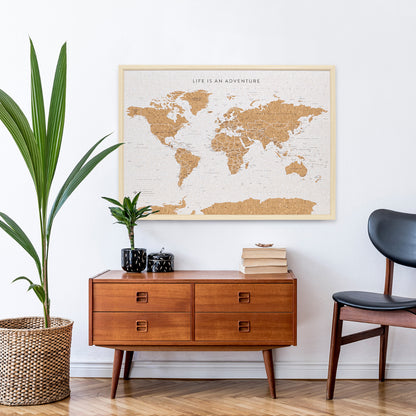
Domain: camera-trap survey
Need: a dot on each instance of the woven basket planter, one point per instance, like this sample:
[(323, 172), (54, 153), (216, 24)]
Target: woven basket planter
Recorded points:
[(34, 361)]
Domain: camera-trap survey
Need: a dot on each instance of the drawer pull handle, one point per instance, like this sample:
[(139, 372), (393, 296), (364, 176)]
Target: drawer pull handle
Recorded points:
[(141, 326), (243, 297), (243, 326), (142, 297)]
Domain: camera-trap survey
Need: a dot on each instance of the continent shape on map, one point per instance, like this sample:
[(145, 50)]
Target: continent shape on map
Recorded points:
[(269, 123), (282, 206), (166, 117), (169, 209), (298, 168), (161, 125), (187, 161)]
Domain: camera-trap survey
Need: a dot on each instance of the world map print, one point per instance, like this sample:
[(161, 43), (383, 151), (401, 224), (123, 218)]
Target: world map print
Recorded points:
[(228, 143)]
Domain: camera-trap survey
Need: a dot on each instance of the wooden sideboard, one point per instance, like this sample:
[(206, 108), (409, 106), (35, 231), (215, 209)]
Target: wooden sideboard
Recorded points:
[(191, 310)]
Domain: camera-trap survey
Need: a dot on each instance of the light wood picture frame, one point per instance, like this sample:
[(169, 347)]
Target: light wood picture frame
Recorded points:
[(229, 142)]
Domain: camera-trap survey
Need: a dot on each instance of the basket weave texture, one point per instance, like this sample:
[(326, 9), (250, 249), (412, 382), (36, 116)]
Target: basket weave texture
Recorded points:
[(34, 361)]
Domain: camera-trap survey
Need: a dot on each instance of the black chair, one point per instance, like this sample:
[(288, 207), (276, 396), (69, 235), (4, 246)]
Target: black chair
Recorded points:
[(394, 235)]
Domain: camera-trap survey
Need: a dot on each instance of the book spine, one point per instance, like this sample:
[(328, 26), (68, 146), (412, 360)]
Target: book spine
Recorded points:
[(256, 255), (263, 269), (263, 262)]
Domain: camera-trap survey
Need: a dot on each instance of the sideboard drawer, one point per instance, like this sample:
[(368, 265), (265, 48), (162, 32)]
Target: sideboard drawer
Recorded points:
[(278, 297), (142, 297), (263, 327), (132, 326)]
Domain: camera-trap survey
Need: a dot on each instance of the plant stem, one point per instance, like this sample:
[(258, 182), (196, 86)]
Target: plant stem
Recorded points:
[(45, 251), (131, 236), (46, 305)]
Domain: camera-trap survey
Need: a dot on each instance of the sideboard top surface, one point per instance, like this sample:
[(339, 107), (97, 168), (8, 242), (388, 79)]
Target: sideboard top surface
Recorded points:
[(210, 276)]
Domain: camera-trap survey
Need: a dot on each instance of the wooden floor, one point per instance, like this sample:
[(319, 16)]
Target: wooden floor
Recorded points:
[(154, 397)]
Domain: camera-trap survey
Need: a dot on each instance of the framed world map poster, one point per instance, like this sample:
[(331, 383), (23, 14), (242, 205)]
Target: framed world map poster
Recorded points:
[(204, 143)]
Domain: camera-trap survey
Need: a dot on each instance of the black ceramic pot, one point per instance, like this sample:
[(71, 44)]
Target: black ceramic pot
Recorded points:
[(160, 262), (133, 260)]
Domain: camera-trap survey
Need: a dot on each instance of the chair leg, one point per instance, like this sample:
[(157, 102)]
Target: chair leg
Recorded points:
[(335, 349), (383, 353)]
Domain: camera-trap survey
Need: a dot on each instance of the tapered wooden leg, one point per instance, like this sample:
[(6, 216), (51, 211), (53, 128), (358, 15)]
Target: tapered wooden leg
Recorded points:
[(118, 359), (335, 349), (383, 353), (268, 363), (127, 364)]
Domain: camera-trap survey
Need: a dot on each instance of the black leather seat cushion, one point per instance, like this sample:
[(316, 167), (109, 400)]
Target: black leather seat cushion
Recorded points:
[(374, 301)]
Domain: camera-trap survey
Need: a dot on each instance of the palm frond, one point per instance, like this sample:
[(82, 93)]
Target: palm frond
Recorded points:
[(78, 174), (38, 106), (56, 118), (38, 289), (16, 122), (14, 231)]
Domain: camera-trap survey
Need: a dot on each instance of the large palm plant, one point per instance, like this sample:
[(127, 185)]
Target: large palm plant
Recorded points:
[(40, 147)]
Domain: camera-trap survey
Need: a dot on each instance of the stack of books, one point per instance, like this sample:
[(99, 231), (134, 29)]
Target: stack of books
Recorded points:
[(263, 260)]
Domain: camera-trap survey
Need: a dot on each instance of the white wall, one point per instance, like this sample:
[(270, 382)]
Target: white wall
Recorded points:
[(372, 44)]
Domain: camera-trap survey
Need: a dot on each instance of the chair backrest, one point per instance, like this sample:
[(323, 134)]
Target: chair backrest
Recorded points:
[(394, 235)]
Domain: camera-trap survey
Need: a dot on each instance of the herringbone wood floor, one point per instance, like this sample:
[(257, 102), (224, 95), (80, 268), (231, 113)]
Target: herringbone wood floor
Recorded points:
[(151, 397)]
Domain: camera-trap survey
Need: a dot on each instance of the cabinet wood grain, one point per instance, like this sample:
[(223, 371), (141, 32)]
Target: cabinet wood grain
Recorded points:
[(257, 297), (141, 326), (229, 327), (147, 297)]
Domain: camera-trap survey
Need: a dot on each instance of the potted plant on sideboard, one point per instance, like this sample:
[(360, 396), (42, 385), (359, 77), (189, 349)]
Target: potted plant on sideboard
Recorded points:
[(132, 259), (35, 351)]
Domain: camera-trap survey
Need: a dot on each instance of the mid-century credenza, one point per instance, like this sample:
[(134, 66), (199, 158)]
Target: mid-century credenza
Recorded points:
[(191, 310)]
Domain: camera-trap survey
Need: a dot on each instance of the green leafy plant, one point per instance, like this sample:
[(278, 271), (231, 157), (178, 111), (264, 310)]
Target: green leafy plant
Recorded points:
[(128, 214), (40, 147)]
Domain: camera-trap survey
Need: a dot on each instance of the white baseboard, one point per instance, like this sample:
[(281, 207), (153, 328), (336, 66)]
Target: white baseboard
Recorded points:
[(242, 369)]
